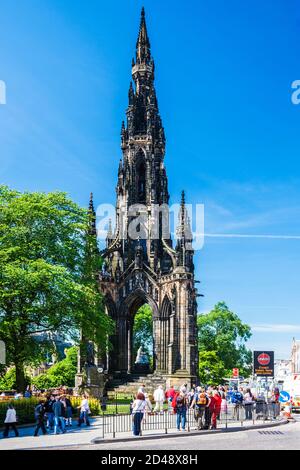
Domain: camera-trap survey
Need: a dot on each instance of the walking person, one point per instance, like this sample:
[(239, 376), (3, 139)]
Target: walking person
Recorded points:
[(248, 402), (69, 412), (84, 411), (275, 403), (181, 409), (138, 410), (10, 421), (49, 411), (159, 398), (39, 413), (59, 421)]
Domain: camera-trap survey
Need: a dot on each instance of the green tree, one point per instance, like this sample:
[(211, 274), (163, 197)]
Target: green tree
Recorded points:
[(61, 373), (143, 330), (42, 265), (223, 333), (211, 368)]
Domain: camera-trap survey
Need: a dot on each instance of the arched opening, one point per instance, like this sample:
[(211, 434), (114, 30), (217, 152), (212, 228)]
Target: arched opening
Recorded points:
[(142, 339), (141, 181)]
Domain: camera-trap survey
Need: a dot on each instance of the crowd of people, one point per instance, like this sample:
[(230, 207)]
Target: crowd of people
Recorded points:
[(207, 403), (53, 414)]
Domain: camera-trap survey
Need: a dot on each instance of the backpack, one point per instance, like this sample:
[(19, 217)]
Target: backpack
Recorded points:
[(237, 398), (39, 411), (201, 399)]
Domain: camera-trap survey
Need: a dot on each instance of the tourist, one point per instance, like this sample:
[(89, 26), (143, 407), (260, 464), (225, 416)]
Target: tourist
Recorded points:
[(215, 408), (275, 403), (10, 421), (27, 393), (84, 411), (69, 411), (248, 402), (58, 410), (159, 398), (237, 399), (49, 411), (142, 389), (224, 404), (39, 413), (170, 393), (148, 408), (139, 408), (199, 403), (180, 402)]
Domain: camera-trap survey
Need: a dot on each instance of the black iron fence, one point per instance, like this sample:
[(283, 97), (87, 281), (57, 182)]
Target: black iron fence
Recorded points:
[(165, 421)]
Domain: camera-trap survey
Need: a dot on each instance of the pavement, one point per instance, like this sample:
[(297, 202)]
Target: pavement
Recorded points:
[(91, 437)]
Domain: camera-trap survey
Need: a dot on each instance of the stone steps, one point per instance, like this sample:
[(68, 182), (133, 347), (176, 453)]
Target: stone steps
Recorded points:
[(130, 385)]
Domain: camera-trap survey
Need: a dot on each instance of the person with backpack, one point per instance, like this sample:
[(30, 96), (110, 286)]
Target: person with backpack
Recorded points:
[(39, 413), (237, 399), (59, 412), (180, 408), (199, 403), (10, 421)]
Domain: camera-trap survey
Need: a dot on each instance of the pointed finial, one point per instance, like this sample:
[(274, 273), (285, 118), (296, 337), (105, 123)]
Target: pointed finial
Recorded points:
[(143, 12), (91, 205), (183, 198)]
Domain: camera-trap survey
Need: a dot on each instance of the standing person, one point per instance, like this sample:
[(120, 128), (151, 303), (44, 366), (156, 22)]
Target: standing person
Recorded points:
[(49, 411), (84, 411), (69, 411), (199, 403), (169, 396), (248, 401), (138, 409), (39, 413), (224, 405), (237, 399), (181, 408), (58, 410), (159, 398), (142, 389), (215, 408), (10, 421), (275, 402)]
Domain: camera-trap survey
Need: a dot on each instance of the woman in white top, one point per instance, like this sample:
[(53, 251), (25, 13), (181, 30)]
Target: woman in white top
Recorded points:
[(248, 402), (139, 407), (10, 421)]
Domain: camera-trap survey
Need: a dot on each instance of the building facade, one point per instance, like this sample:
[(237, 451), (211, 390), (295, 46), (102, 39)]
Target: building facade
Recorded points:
[(296, 356), (141, 264)]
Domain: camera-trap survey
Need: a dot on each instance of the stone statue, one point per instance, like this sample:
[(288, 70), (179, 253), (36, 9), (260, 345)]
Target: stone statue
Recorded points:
[(90, 354), (141, 357)]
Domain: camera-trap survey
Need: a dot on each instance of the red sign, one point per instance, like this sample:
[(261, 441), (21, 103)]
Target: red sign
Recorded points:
[(264, 359), (235, 372)]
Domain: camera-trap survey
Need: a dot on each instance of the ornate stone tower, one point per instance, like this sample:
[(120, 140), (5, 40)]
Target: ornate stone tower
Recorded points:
[(142, 267)]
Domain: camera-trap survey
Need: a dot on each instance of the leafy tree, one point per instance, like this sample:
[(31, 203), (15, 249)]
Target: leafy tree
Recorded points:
[(223, 333), (143, 330), (42, 265), (211, 368), (61, 373)]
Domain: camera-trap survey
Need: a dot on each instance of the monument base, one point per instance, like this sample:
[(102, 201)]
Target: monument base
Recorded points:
[(91, 382)]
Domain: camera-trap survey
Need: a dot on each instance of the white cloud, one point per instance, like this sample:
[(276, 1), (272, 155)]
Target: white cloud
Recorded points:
[(275, 328)]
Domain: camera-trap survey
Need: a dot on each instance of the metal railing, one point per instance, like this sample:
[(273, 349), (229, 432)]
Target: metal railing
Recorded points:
[(165, 421)]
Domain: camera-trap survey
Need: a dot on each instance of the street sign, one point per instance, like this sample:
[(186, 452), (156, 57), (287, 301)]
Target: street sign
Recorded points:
[(235, 372), (263, 363), (284, 397)]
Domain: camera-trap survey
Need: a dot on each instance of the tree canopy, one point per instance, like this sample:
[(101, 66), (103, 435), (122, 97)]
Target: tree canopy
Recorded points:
[(143, 330), (222, 338), (43, 283)]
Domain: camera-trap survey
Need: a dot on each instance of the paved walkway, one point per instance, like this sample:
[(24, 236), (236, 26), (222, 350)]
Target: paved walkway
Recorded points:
[(86, 435)]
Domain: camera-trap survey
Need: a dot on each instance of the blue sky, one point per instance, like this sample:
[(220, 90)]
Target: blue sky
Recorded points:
[(223, 76)]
